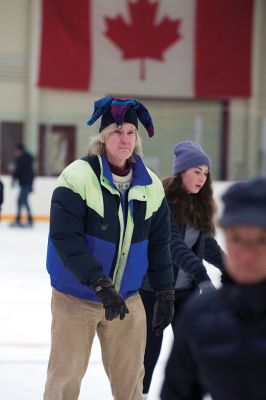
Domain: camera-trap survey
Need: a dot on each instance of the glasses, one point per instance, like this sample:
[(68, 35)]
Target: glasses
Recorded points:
[(258, 244)]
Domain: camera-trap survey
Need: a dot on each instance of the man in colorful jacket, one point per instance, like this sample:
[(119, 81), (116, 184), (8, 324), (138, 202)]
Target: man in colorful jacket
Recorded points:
[(109, 226)]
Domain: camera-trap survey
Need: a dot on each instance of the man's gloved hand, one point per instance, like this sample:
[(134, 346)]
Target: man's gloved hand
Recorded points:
[(163, 311), (206, 287), (113, 303)]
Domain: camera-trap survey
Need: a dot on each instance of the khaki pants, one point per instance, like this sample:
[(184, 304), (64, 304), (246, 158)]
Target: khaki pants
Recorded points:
[(74, 324)]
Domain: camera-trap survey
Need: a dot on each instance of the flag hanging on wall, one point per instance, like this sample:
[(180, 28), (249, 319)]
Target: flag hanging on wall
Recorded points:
[(160, 48)]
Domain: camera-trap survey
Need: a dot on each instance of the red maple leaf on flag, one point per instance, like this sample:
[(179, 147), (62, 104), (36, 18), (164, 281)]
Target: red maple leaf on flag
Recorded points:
[(142, 37)]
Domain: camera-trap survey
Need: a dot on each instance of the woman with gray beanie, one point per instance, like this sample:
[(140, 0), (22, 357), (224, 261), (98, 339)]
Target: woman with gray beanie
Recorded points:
[(190, 199)]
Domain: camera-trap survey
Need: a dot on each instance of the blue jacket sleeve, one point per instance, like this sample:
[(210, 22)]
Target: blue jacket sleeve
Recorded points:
[(213, 253), (183, 257), (68, 214)]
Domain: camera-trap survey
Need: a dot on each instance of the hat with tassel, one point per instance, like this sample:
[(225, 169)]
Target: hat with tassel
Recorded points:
[(120, 111)]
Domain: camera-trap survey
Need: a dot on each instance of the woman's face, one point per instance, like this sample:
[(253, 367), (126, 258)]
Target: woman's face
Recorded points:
[(120, 144), (193, 179)]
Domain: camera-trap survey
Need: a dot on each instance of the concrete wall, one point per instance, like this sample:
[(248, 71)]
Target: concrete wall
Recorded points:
[(22, 100), (41, 197)]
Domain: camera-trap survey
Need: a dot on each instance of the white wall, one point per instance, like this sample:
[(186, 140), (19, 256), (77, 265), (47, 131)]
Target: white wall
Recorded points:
[(41, 197), (22, 100)]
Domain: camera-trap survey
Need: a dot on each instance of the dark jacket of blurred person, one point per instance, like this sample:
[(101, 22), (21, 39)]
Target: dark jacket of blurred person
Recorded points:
[(220, 338), (24, 174)]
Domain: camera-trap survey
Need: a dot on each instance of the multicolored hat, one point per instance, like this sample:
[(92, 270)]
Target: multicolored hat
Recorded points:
[(120, 110)]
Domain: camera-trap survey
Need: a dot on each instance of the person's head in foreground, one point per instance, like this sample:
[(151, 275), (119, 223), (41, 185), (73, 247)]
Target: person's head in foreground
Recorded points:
[(244, 224), (220, 339)]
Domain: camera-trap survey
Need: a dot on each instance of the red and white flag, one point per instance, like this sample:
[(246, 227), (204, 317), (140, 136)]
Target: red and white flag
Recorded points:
[(161, 48)]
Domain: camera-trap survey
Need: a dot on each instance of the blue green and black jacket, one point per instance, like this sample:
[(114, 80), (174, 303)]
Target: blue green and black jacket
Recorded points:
[(89, 238)]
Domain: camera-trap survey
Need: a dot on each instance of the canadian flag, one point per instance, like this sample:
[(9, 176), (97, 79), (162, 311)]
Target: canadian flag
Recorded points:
[(162, 48)]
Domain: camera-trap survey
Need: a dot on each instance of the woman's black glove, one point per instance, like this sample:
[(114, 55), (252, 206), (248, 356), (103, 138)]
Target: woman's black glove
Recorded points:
[(163, 311), (113, 302)]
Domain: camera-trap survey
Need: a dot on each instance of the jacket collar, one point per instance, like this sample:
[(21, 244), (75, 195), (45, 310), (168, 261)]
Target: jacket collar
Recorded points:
[(140, 176)]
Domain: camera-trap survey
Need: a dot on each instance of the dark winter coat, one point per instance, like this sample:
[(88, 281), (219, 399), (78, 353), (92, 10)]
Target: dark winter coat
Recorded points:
[(220, 347), (24, 169), (191, 260), (88, 238)]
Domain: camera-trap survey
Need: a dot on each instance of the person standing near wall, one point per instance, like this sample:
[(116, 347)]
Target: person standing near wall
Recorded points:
[(109, 224), (220, 339), (23, 174), (1, 196), (190, 198)]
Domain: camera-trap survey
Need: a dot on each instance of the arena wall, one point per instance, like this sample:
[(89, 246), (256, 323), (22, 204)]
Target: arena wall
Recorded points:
[(42, 192)]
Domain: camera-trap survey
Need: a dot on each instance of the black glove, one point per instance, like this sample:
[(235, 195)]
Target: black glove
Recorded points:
[(163, 311), (206, 287), (113, 303)]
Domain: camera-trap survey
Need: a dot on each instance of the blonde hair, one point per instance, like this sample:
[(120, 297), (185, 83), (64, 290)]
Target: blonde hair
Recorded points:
[(96, 145)]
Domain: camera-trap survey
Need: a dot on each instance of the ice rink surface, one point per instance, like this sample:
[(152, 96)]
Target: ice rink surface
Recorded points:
[(25, 322)]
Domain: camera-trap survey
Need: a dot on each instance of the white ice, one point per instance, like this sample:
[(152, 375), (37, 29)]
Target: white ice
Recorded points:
[(25, 322)]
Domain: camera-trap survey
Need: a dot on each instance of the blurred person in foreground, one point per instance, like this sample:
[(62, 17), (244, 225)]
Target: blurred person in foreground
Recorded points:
[(23, 174), (190, 197), (220, 339), (109, 224)]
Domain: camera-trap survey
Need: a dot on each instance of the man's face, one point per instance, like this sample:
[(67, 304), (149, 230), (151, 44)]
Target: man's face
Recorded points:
[(246, 253), (120, 144)]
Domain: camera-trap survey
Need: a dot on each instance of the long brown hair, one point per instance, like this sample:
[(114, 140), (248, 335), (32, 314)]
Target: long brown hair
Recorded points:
[(196, 209)]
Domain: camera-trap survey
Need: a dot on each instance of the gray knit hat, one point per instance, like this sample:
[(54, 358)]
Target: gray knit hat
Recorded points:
[(188, 154), (245, 203)]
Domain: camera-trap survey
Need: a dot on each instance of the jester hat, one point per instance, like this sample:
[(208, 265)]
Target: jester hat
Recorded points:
[(120, 110)]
